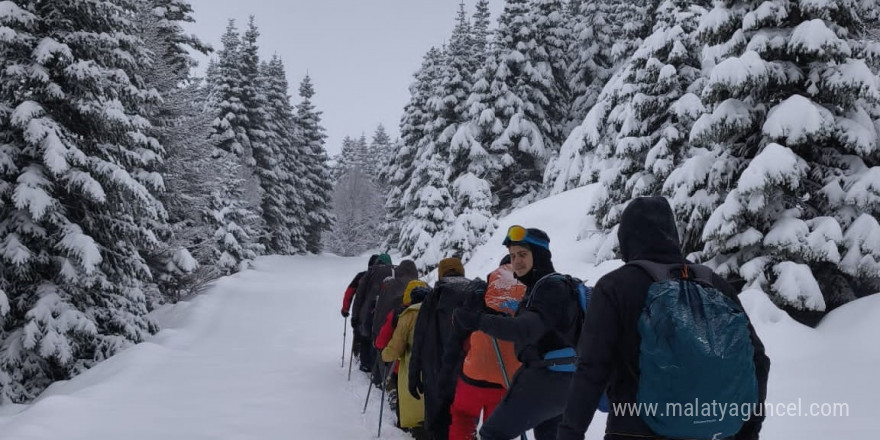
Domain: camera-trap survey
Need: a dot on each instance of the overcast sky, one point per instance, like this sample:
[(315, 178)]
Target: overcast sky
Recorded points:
[(360, 54)]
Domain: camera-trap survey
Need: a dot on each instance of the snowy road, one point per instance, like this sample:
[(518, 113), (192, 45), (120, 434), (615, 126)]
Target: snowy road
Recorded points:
[(257, 358)]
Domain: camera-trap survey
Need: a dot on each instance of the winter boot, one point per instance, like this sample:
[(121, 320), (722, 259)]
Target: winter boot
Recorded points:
[(392, 393)]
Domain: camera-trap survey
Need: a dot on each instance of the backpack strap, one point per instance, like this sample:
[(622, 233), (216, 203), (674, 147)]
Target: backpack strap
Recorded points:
[(662, 271), (557, 275)]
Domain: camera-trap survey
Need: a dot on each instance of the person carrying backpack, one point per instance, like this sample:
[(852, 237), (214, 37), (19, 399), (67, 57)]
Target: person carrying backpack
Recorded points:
[(364, 302), (546, 324), (347, 298), (411, 411), (631, 345), (485, 365), (391, 294), (433, 328)]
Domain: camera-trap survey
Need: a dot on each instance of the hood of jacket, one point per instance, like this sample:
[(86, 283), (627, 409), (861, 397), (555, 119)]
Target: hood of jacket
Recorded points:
[(647, 230), (406, 270)]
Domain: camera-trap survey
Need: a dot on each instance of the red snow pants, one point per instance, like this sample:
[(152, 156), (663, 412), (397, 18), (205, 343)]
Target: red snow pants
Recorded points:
[(469, 401)]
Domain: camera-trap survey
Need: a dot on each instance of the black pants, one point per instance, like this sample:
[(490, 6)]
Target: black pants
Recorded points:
[(367, 355), (535, 400)]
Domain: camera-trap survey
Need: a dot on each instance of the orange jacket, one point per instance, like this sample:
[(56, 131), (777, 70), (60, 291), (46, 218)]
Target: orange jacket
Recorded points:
[(481, 363)]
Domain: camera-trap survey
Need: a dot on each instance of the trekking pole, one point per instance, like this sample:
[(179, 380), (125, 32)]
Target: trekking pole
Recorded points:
[(344, 334), (367, 400), (382, 402), (504, 373), (351, 357)]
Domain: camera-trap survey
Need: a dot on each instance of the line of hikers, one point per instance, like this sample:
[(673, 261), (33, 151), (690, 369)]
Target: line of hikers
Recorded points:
[(532, 349)]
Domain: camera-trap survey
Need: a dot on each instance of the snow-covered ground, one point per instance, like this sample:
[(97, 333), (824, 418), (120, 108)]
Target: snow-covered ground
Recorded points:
[(258, 357), (255, 358)]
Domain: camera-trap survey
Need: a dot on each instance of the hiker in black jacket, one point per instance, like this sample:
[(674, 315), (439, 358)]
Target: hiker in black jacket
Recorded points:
[(609, 346), (364, 302), (348, 296), (357, 340), (433, 327), (391, 294), (545, 322)]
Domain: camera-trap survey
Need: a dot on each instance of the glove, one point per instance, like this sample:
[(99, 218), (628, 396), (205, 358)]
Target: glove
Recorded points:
[(344, 313), (416, 388), (475, 298), (466, 319)]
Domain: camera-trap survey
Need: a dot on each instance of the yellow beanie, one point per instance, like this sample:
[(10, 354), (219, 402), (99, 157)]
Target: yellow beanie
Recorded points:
[(407, 293)]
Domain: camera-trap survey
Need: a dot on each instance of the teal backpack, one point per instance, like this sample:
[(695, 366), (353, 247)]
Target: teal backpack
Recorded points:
[(696, 348)]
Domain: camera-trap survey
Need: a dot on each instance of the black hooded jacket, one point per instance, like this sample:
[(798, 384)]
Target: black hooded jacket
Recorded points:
[(547, 315), (391, 293), (365, 297), (433, 327), (609, 342)]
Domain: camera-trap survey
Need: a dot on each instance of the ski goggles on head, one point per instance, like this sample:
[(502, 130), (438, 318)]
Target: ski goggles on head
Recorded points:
[(517, 234)]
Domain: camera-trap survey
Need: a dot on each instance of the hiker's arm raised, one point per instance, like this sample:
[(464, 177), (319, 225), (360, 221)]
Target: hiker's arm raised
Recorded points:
[(545, 311), (526, 327)]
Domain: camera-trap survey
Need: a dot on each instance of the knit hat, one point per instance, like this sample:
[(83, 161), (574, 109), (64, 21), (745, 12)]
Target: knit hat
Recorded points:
[(383, 259), (407, 294), (450, 267), (533, 238)]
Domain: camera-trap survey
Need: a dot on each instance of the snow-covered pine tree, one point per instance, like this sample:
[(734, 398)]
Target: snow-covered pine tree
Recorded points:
[(189, 174), (643, 118), (269, 168), (234, 205), (382, 152), (178, 124), (318, 192), (472, 206), (517, 102), (78, 191), (365, 158), (789, 150), (427, 200), (282, 201), (262, 154), (230, 127), (342, 161), (389, 228), (480, 33), (356, 200), (399, 204), (212, 79), (429, 195), (604, 35), (432, 213), (233, 243), (474, 223)]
